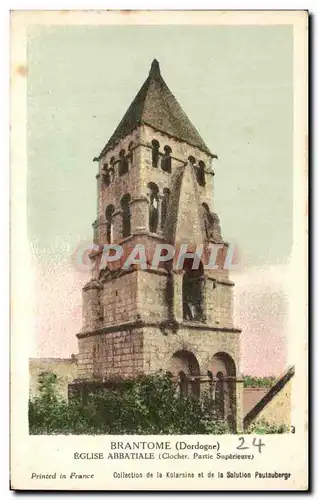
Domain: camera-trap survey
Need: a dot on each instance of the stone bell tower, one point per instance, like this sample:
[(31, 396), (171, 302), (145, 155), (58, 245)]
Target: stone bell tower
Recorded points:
[(155, 185)]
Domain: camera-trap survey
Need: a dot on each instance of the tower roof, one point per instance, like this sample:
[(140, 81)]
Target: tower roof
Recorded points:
[(156, 106)]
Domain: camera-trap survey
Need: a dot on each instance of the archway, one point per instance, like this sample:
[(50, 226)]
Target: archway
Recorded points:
[(223, 370), (110, 209), (155, 152), (166, 159), (125, 205), (153, 191), (123, 163), (184, 365), (193, 292)]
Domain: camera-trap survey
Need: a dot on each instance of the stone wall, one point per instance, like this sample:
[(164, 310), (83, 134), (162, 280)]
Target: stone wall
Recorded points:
[(64, 369), (110, 302), (180, 154), (160, 345), (110, 354), (121, 185), (130, 350), (119, 299), (140, 173), (204, 343), (153, 296)]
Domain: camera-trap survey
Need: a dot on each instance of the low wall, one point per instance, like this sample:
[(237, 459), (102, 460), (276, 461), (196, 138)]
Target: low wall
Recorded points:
[(64, 368)]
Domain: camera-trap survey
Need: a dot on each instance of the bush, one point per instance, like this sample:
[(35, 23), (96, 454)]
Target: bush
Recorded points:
[(250, 381), (263, 427), (149, 404)]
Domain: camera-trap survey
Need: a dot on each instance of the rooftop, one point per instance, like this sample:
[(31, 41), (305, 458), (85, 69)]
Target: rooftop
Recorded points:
[(156, 106)]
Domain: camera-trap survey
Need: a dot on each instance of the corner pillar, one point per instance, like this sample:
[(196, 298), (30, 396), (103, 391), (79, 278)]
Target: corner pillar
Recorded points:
[(177, 296)]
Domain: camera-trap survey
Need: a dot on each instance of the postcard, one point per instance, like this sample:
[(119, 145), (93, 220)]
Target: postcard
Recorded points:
[(159, 250)]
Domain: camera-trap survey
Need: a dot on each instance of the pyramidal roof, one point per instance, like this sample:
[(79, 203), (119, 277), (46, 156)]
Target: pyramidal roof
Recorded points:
[(156, 106)]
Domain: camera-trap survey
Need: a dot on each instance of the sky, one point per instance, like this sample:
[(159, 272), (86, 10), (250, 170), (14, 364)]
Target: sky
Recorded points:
[(235, 84)]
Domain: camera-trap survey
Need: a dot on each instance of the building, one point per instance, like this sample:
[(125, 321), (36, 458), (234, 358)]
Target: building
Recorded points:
[(155, 185)]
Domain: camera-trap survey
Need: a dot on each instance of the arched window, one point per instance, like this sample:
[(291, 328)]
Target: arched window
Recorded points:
[(110, 209), (200, 173), (125, 205), (153, 206), (164, 206), (219, 395), (105, 175), (123, 163), (166, 160), (192, 160), (155, 152), (193, 292), (184, 365), (223, 367)]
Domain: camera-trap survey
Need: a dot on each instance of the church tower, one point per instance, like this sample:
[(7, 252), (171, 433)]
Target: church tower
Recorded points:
[(155, 185)]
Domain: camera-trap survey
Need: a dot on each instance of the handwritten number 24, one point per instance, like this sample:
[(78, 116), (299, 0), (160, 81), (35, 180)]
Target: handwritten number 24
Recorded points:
[(258, 444)]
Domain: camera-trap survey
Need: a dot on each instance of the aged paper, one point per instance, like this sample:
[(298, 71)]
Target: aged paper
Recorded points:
[(159, 250)]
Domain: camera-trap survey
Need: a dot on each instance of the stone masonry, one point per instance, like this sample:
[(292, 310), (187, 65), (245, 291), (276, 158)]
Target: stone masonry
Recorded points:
[(155, 184)]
